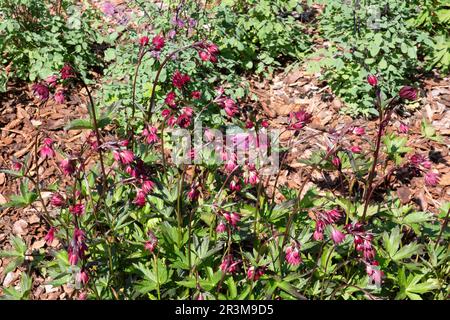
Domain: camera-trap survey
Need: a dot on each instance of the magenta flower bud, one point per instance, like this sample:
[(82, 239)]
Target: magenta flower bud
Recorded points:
[(359, 131), (140, 199), (265, 124), (41, 91), (336, 162), (66, 72), (179, 79), (150, 134), (47, 152), (59, 97), (158, 42), (432, 179), (292, 255), (143, 41), (355, 149), (193, 194), (57, 200), (73, 257), (372, 80), (50, 236), (52, 80), (235, 186), (408, 93), (147, 186), (17, 166), (403, 128), (77, 209), (249, 124), (170, 99), (196, 95), (204, 55), (67, 166), (337, 236), (221, 227), (82, 277)]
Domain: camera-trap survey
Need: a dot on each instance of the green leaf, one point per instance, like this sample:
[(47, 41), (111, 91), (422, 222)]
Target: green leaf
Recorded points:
[(79, 124), (406, 251)]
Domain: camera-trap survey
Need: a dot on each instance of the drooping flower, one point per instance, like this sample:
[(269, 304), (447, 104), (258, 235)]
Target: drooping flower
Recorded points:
[(249, 124), (408, 93), (318, 232), (431, 179), (82, 277), (170, 99), (232, 218), (196, 95), (337, 235), (158, 42), (50, 236), (52, 80), (372, 80), (147, 186), (41, 91), (355, 149), (221, 227), (336, 162), (374, 273), (59, 96), (57, 200), (16, 166), (67, 166), (265, 124), (292, 255), (151, 244), (140, 198), (179, 79), (143, 41), (47, 149), (193, 193), (235, 185), (150, 134), (403, 128), (251, 177), (255, 273), (77, 209), (229, 264), (73, 257), (123, 156), (67, 72), (359, 131)]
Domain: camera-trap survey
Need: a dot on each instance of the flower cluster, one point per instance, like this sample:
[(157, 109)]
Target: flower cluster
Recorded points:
[(54, 84)]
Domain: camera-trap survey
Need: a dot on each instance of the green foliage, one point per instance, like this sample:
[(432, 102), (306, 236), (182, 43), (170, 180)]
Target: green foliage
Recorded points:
[(369, 39), (35, 41)]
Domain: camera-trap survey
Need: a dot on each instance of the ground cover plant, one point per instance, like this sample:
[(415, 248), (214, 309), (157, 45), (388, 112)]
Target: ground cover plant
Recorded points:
[(168, 188)]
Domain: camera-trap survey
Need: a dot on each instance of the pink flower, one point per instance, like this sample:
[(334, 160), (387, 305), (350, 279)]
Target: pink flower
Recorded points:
[(57, 200), (140, 198), (67, 166), (359, 131), (170, 99), (232, 218), (292, 255), (47, 150), (184, 120), (230, 107), (213, 49), (41, 91), (251, 177), (179, 79), (431, 179), (196, 95), (374, 273), (221, 227), (318, 232), (171, 121), (372, 80), (82, 296), (82, 277), (249, 124), (151, 244), (67, 72), (50, 236), (52, 80), (255, 273), (73, 257), (143, 41), (235, 186), (265, 124), (123, 156), (336, 162), (229, 264), (355, 149), (230, 165), (16, 166), (337, 235), (204, 55), (403, 128), (158, 42), (150, 133), (193, 193), (59, 96), (77, 209), (299, 119), (408, 93), (147, 186), (333, 215)]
